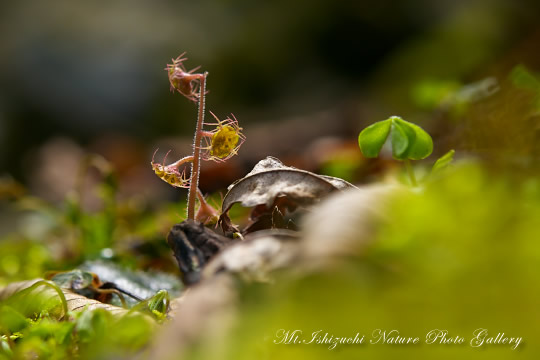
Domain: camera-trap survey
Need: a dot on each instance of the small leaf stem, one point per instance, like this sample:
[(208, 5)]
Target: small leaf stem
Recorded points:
[(410, 171), (181, 161), (207, 133), (195, 165)]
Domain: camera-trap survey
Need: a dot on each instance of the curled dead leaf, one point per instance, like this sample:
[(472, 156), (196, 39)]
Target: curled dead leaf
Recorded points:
[(75, 302), (270, 181)]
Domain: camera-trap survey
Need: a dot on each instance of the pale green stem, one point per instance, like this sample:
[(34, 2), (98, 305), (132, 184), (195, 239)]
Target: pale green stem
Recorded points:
[(195, 165), (410, 171)]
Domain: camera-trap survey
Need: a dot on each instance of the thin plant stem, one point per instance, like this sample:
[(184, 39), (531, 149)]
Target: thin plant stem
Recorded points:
[(410, 171), (181, 161), (196, 164)]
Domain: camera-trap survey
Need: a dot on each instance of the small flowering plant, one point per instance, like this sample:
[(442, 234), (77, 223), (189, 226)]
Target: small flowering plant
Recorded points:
[(222, 140)]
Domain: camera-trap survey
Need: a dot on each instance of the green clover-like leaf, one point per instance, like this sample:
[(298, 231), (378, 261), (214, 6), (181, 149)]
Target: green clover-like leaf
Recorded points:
[(372, 138), (409, 141), (422, 146), (403, 137)]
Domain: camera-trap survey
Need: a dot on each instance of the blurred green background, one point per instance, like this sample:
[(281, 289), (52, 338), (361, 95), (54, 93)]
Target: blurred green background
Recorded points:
[(90, 73)]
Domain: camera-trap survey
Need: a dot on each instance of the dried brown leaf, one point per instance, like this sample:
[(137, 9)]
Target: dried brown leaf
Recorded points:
[(75, 302), (270, 179)]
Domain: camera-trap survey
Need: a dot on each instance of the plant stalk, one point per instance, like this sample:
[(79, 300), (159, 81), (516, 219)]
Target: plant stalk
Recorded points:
[(183, 160), (410, 171), (196, 164)]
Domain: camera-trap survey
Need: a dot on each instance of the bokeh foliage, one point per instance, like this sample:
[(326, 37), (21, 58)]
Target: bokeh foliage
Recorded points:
[(459, 255)]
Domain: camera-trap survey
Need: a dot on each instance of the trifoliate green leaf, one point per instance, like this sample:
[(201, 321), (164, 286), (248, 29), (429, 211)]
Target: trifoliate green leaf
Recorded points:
[(409, 141)]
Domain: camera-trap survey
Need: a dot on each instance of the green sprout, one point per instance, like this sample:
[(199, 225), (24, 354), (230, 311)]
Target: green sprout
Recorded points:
[(443, 162), (158, 305), (409, 141)]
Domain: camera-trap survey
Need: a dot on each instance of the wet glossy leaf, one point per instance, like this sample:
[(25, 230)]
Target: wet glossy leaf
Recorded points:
[(74, 280), (142, 284)]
